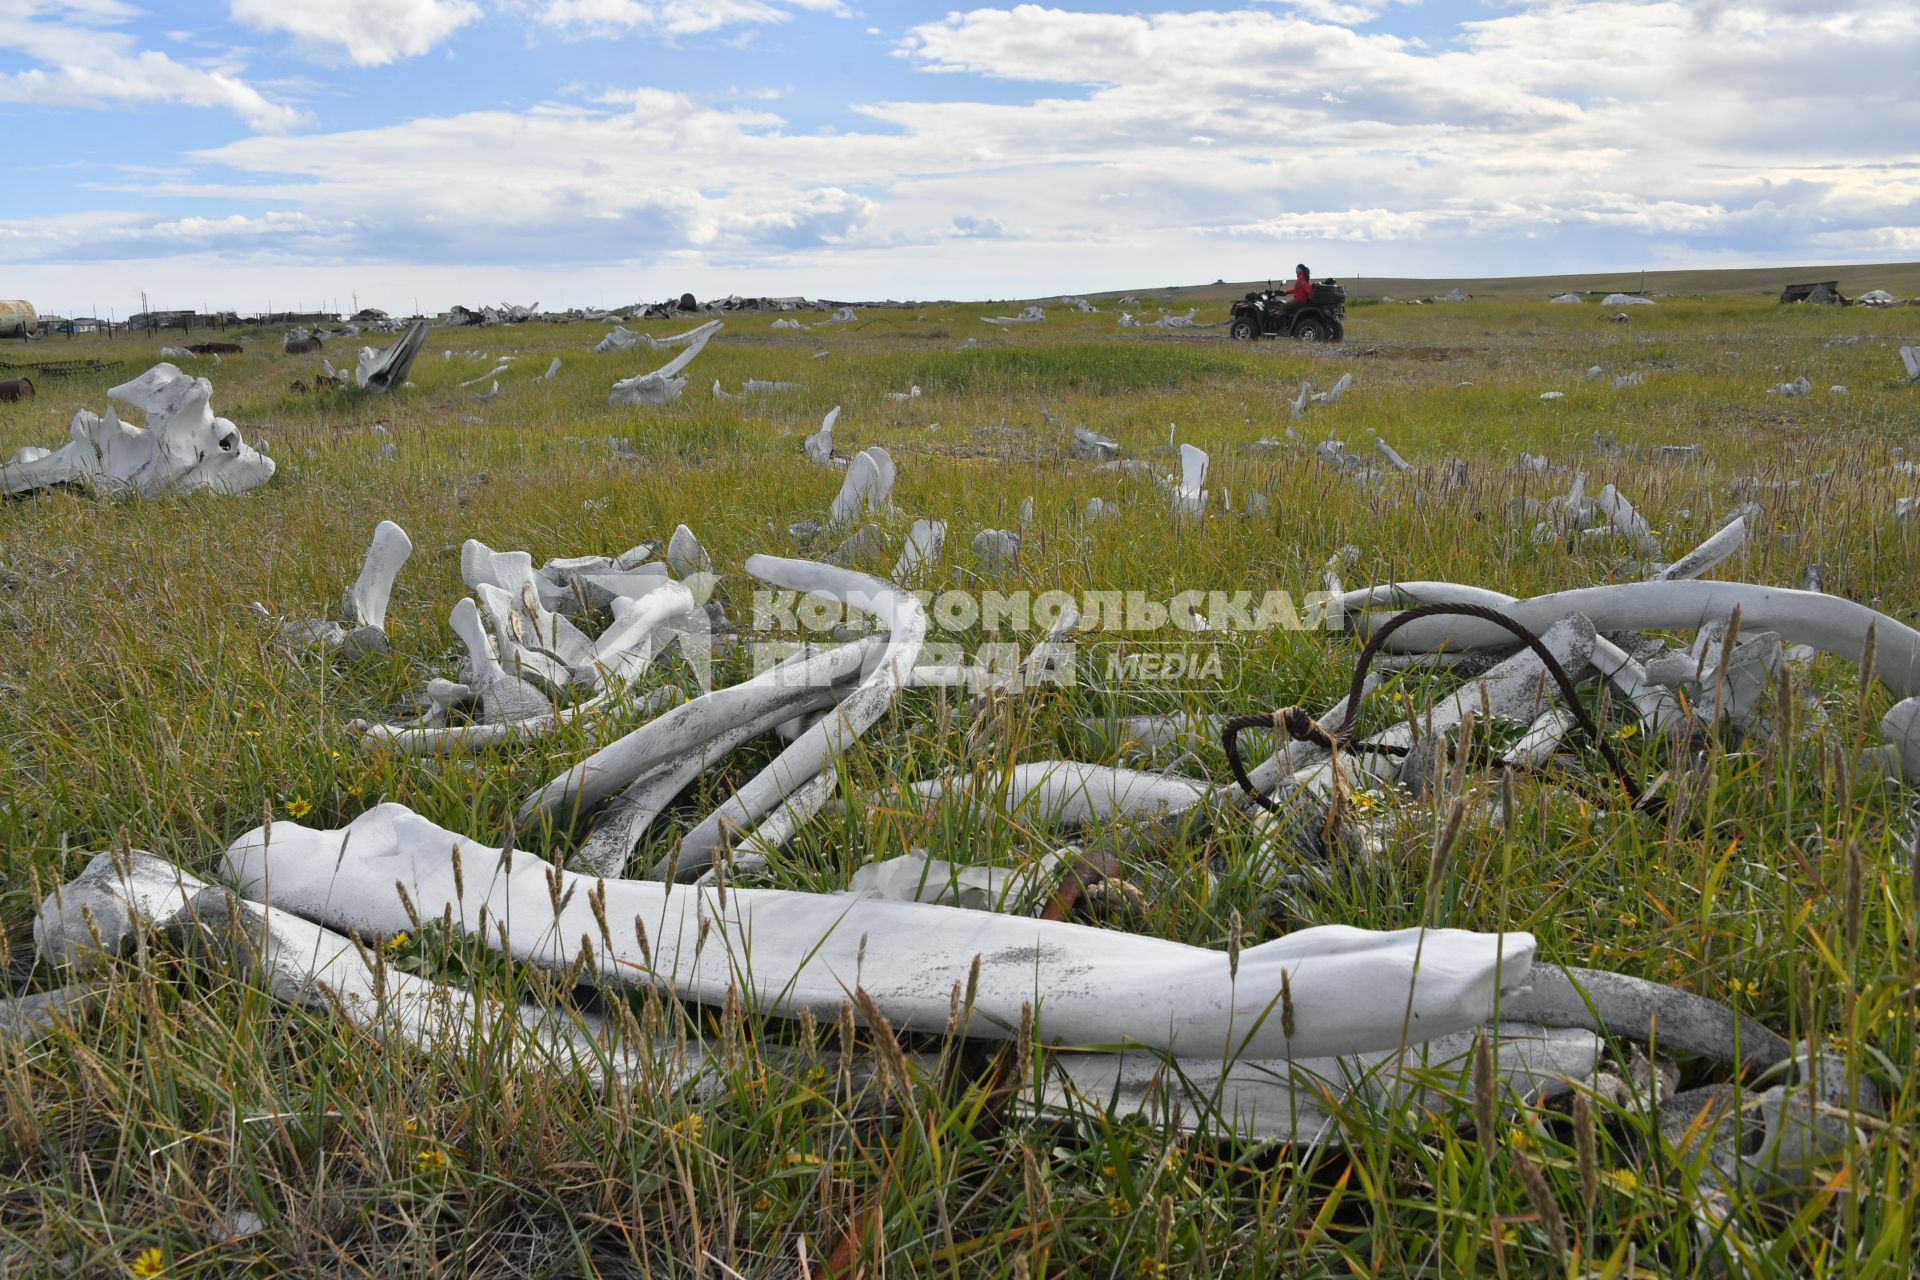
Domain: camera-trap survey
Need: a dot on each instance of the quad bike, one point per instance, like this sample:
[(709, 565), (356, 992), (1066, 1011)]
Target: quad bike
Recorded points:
[(1272, 313)]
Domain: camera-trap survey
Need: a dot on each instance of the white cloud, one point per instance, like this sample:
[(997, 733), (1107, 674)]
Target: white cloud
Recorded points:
[(370, 32), (1548, 135), (83, 61), (670, 17)]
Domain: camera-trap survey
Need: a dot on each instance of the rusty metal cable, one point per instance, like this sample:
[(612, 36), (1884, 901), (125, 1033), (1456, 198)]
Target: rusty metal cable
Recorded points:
[(1297, 723)]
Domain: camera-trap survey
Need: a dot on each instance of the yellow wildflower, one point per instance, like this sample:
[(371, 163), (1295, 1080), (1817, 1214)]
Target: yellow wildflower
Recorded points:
[(151, 1262), (1623, 1180), (431, 1160), (690, 1127), (299, 807), (398, 942), (1119, 1206)]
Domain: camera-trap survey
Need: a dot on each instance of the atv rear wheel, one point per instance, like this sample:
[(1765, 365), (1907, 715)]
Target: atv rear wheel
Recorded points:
[(1311, 329), (1243, 330)]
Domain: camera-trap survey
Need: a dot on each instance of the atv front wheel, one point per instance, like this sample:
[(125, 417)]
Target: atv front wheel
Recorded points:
[(1243, 330), (1336, 332)]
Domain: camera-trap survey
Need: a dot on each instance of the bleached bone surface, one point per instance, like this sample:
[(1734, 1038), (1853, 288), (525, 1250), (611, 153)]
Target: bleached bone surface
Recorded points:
[(1268, 1099), (503, 697), (365, 604), (905, 620), (1728, 540), (922, 551), (868, 486), (1627, 521), (685, 554), (1515, 689), (915, 877), (997, 549), (1347, 989), (92, 917), (384, 370), (1190, 497), (664, 384), (1392, 455), (301, 963), (1910, 357), (1828, 623), (782, 692), (819, 445), (1058, 794), (1333, 393), (1091, 446), (183, 447), (1798, 387)]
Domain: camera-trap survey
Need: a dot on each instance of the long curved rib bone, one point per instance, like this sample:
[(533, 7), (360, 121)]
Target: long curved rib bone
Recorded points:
[(906, 621), (1345, 990), (1828, 623), (787, 689)]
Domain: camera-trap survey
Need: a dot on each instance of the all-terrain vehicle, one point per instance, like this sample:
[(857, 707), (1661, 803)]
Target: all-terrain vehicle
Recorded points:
[(1272, 313)]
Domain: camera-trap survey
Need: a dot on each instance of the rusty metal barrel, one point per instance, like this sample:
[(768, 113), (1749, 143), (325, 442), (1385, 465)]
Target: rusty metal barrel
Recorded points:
[(16, 389), (17, 319)]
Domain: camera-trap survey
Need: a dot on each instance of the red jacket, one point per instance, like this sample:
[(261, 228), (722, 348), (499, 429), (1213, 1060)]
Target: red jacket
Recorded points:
[(1302, 289)]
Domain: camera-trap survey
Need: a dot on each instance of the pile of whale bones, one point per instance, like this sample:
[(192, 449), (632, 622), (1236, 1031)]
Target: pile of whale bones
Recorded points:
[(1266, 1042)]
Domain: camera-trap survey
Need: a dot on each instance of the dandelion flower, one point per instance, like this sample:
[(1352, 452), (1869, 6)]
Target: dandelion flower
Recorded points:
[(299, 807), (396, 943), (151, 1262)]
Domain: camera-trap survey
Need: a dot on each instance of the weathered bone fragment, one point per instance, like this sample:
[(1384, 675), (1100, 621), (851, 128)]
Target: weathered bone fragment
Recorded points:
[(94, 916), (1910, 356), (998, 549), (1090, 446), (1830, 624), (624, 822), (1348, 989), (1392, 455), (1029, 315), (664, 385), (922, 551), (183, 447), (819, 445), (1189, 497), (868, 486), (384, 370), (1516, 689), (301, 963), (1273, 1099), (1623, 1007), (365, 603), (1299, 403), (553, 371), (1732, 691), (1060, 794), (1798, 387), (485, 377), (503, 697), (906, 622), (781, 692), (1627, 521), (685, 555), (1727, 541), (916, 877), (1332, 394)]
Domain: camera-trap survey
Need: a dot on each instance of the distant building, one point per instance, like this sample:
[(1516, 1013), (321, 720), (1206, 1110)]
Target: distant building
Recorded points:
[(1821, 291)]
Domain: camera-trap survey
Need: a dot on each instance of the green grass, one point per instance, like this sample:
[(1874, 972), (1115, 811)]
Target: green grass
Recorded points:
[(139, 699)]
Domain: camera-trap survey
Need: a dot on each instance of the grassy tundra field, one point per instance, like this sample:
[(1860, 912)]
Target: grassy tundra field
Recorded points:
[(184, 1124)]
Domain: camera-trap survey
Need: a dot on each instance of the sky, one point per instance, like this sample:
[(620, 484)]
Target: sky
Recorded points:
[(411, 154)]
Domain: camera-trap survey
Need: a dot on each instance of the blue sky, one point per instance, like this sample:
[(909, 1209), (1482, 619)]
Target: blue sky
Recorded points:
[(236, 152)]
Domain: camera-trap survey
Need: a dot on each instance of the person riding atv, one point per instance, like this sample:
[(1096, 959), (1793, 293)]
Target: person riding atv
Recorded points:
[(1312, 311)]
